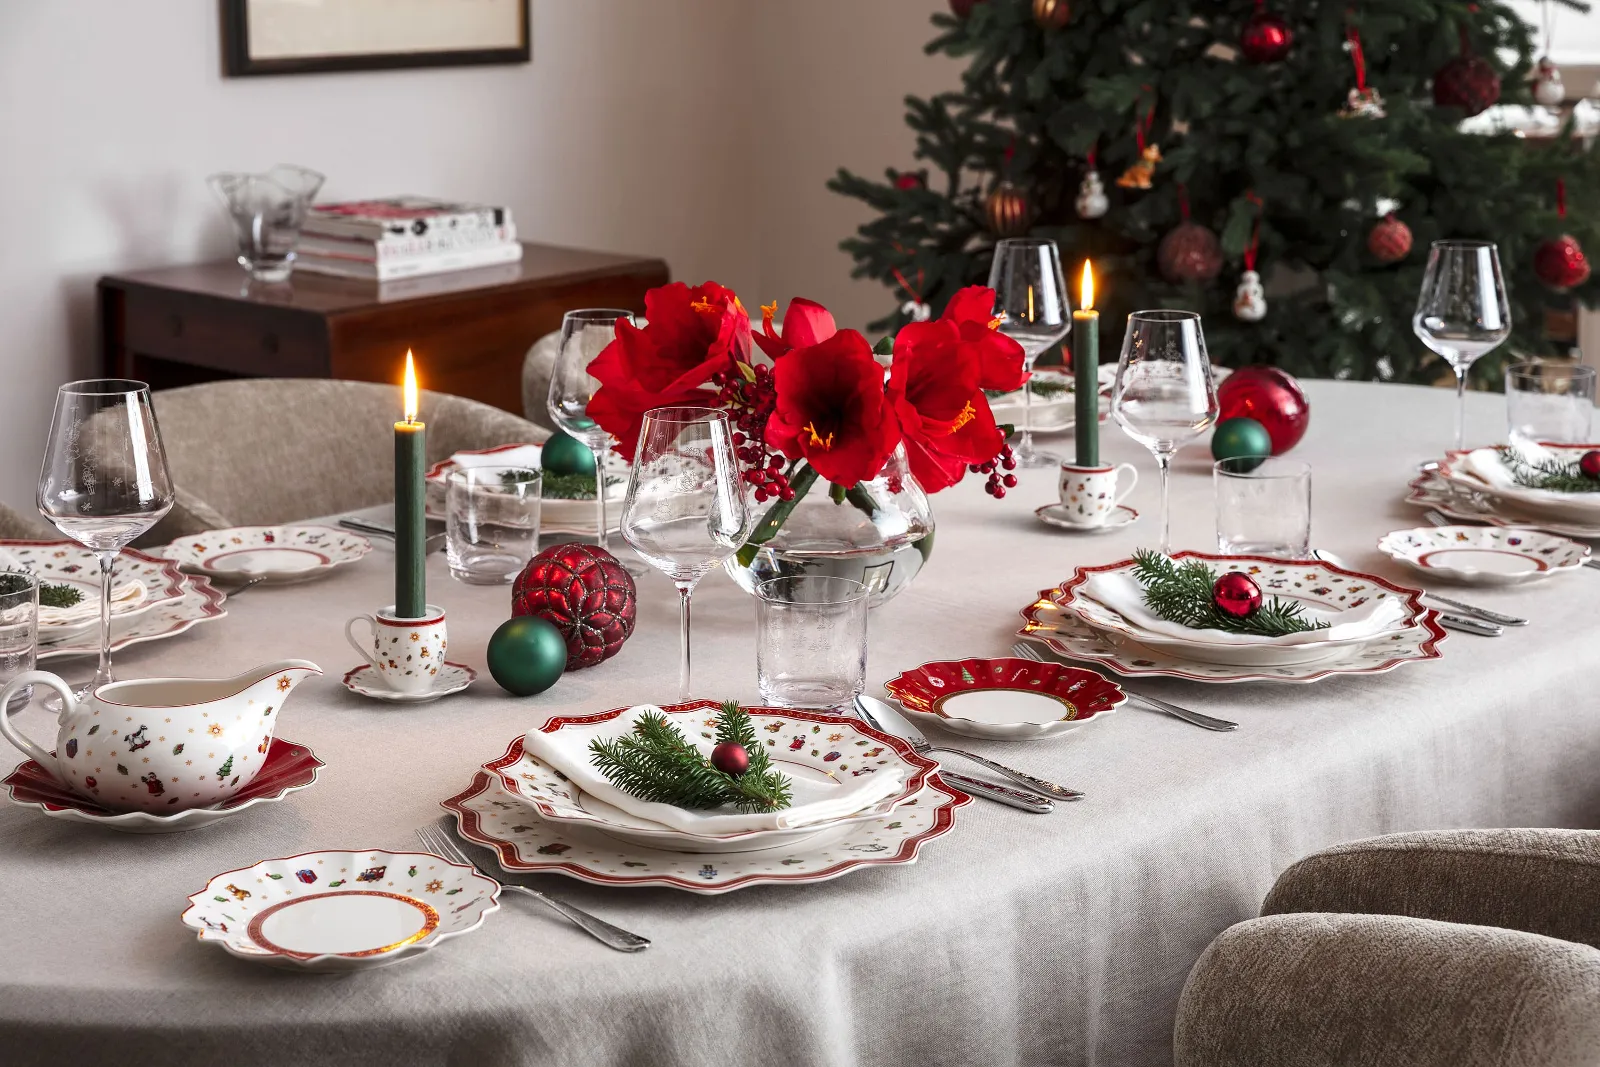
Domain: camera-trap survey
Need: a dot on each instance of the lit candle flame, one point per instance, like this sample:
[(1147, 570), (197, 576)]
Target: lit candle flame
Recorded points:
[(1087, 304), (410, 389)]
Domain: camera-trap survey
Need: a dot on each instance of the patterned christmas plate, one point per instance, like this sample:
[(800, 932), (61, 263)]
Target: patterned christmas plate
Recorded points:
[(341, 911), (555, 515), (1431, 491), (1484, 555), (275, 554), (490, 815), (1582, 508), (69, 563), (288, 768), (1054, 400), (198, 603), (1005, 699)]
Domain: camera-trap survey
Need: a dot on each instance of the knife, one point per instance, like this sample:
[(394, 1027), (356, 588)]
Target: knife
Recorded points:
[(1002, 794)]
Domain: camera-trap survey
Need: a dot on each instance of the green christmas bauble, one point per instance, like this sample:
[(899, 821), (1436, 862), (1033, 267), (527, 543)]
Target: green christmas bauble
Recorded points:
[(1241, 439), (566, 455), (527, 655)]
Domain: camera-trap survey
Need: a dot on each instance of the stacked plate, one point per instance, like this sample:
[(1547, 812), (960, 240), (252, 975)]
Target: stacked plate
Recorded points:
[(555, 515), (859, 798), (1476, 485), (1372, 625)]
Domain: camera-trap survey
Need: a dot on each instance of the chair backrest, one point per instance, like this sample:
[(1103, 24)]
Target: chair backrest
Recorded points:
[(14, 524), (537, 367)]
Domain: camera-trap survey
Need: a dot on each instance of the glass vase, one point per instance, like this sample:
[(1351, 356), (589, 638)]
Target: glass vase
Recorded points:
[(267, 211)]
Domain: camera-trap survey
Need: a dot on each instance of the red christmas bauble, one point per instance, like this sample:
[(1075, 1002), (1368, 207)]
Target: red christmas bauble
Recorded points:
[(910, 179), (1467, 82), (1052, 14), (1266, 38), (730, 758), (1390, 240), (1189, 253), (1272, 398), (1589, 464), (1236, 594), (585, 593), (1007, 210), (1560, 263)]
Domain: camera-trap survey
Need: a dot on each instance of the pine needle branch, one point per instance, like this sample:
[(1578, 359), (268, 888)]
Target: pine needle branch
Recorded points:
[(1553, 474), (655, 762), (1181, 593)]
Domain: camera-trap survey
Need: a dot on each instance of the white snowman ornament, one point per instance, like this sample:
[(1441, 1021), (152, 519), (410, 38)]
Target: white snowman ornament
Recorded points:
[(916, 311), (1547, 87), (1250, 300), (1092, 202)]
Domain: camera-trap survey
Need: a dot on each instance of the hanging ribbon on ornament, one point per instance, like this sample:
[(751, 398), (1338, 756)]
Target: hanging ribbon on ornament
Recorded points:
[(1560, 262), (913, 309), (1547, 87), (1189, 252), (1143, 169), (1092, 202), (1363, 102), (1250, 299)]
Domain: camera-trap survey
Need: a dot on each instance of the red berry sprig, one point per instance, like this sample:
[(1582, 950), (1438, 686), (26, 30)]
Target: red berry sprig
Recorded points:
[(748, 394), (1004, 460)]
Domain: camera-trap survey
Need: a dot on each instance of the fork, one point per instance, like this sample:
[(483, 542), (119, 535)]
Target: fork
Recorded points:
[(1194, 718), (257, 580), (439, 839)]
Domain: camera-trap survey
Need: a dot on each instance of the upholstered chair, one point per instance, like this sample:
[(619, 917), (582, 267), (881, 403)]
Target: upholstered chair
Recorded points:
[(16, 525), (1473, 948), (537, 367)]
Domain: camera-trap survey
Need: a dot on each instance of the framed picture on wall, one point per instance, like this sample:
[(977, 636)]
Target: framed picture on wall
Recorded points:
[(305, 36)]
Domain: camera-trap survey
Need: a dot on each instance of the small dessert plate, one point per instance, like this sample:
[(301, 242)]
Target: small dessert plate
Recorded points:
[(1484, 555), (1005, 699), (452, 678), (274, 554), (341, 911), (1058, 516)]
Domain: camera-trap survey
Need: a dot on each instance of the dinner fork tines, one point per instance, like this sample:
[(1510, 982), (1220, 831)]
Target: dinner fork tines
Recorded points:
[(1194, 718)]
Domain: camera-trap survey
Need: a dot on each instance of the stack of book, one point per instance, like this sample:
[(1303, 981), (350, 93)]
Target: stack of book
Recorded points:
[(404, 236)]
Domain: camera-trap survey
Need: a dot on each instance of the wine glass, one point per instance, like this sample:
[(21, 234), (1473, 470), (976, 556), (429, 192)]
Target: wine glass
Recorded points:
[(584, 333), (104, 479), (1462, 312), (1031, 301), (1165, 393), (685, 510)]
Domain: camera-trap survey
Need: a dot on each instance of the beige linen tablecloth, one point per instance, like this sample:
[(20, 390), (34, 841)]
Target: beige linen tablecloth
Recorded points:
[(1016, 939)]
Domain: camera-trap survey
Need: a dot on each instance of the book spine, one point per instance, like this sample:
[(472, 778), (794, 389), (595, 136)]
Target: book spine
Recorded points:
[(370, 229), (395, 246)]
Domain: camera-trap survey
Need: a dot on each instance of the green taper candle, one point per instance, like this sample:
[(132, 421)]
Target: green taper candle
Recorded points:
[(1086, 373), (410, 522)]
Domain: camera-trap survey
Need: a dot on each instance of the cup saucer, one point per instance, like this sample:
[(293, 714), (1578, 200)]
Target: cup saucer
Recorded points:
[(452, 678), (1057, 515)]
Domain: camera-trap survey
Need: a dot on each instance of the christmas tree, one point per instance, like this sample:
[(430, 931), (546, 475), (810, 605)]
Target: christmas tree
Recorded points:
[(1302, 138)]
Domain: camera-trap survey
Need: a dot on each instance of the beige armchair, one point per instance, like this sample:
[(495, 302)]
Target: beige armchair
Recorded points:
[(1471, 948), (22, 527), (537, 367)]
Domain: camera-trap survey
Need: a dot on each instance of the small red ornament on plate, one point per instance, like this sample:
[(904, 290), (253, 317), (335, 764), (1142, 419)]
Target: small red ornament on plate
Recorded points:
[(1589, 464), (1560, 262), (731, 758), (1266, 37), (1236, 594), (585, 593), (1390, 240)]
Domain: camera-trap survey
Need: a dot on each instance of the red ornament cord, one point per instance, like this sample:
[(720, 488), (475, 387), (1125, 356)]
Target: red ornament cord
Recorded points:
[(1183, 201), (1255, 232), (913, 291), (1357, 57), (1141, 130), (1561, 197)]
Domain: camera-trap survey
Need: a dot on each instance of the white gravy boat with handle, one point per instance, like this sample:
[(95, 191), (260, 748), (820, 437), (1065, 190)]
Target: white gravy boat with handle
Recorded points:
[(162, 745)]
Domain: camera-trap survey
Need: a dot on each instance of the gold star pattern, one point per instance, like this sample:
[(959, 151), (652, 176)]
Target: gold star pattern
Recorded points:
[(434, 886)]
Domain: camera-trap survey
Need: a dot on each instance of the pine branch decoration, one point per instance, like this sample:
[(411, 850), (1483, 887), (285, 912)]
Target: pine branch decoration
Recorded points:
[(1181, 593), (1553, 474), (657, 763)]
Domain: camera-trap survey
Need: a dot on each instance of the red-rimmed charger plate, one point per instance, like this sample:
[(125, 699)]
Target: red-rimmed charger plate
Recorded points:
[(1005, 699)]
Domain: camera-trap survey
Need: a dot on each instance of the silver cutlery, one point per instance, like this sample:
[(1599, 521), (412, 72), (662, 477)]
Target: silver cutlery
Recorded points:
[(439, 839), (248, 584), (1470, 625), (892, 722), (1194, 718), (434, 542), (1016, 798)]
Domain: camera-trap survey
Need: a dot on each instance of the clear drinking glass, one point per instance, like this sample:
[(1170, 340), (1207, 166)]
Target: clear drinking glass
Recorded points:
[(685, 511), (811, 641), (1165, 394), (1031, 300), (584, 333), (1263, 507), (104, 479), (491, 526), (267, 211), (1549, 402), (1462, 312), (19, 632)]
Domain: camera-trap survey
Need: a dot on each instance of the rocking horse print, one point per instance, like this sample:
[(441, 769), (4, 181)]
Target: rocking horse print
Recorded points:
[(136, 740)]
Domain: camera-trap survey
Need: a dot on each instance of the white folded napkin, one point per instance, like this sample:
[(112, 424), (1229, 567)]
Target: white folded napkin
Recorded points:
[(519, 456), (567, 750), (1122, 593), (124, 595), (1487, 464)]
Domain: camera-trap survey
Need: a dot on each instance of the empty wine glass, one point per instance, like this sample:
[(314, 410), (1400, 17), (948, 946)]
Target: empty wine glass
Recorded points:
[(1031, 299), (1462, 312), (1165, 393), (584, 333), (104, 479), (685, 510)]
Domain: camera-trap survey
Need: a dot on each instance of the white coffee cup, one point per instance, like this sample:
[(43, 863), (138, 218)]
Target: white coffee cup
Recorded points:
[(405, 653), (1089, 494)]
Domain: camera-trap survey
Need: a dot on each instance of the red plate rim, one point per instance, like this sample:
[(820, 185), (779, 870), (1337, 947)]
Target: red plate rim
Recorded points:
[(909, 683)]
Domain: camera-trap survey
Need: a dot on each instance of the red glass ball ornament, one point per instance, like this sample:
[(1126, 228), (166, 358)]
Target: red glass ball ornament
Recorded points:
[(585, 593), (1189, 253), (730, 758), (1007, 210), (1466, 82), (1560, 263), (1272, 398), (1052, 14), (910, 179), (1266, 38), (1589, 464), (1390, 240), (1236, 594)]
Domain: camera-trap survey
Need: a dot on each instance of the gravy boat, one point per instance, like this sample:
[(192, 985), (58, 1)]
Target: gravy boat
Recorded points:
[(161, 745)]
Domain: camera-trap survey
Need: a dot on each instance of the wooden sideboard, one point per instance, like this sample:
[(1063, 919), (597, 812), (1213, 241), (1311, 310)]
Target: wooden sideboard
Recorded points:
[(469, 330)]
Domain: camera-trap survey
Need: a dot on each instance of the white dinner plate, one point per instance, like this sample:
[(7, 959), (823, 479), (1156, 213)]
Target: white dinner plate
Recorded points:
[(1484, 555), (276, 554)]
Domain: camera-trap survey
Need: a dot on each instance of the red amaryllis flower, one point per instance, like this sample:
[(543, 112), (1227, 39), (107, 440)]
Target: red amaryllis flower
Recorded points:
[(831, 410), (805, 322), (971, 310), (692, 334)]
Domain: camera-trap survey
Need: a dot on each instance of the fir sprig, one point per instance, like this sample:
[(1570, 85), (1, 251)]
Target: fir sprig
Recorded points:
[(1553, 474), (51, 594), (657, 763), (1181, 593)]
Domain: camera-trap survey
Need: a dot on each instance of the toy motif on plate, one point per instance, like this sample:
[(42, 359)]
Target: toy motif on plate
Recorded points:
[(341, 911), (276, 554), (1272, 398), (585, 593), (407, 654), (1005, 699), (1484, 555), (161, 745), (452, 678)]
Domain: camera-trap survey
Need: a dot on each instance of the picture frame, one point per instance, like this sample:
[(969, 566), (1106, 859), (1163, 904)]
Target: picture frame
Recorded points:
[(270, 37)]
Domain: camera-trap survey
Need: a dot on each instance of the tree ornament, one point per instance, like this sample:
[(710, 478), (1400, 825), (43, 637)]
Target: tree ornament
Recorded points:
[(1270, 397), (1236, 594), (1140, 173), (1589, 464), (1092, 202), (1547, 87), (1363, 101), (1468, 82), (1051, 14), (1390, 240), (908, 180), (1242, 439), (1266, 37), (562, 454), (916, 311), (526, 655), (585, 593), (730, 758), (1250, 299), (1189, 253), (1559, 262), (1007, 210), (1186, 593), (963, 8)]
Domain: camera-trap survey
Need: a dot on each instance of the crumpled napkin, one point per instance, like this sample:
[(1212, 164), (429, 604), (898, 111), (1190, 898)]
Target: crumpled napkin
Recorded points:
[(125, 595)]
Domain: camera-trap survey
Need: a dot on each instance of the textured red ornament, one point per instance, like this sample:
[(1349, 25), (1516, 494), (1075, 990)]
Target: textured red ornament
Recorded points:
[(1467, 82), (1560, 263), (1236, 594), (910, 179), (1266, 38), (585, 593), (1052, 14), (1589, 464), (1390, 240), (1272, 398), (730, 758), (1189, 253)]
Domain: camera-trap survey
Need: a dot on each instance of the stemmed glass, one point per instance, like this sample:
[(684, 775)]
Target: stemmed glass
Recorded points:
[(584, 334), (685, 510), (104, 479), (1031, 300), (1165, 393), (1462, 312)]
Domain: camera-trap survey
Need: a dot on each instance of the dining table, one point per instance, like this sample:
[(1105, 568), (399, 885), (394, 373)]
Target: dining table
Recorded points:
[(1014, 939)]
